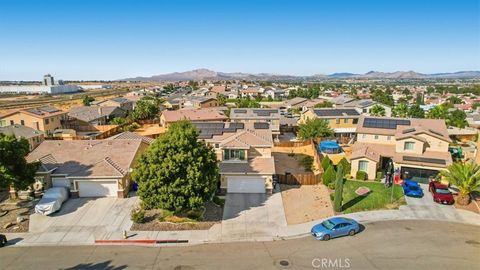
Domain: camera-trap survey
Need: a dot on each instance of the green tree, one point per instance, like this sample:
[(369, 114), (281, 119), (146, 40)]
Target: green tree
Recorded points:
[(118, 121), (416, 112), (401, 110), (455, 100), (221, 99), (145, 109), (345, 165), (466, 177), (87, 100), (328, 176), (337, 202), (14, 170), (438, 112), (325, 104), (326, 163), (457, 118), (177, 172), (316, 128), (377, 110)]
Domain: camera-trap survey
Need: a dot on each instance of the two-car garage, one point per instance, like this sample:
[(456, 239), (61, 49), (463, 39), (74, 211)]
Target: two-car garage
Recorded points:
[(89, 188), (245, 184)]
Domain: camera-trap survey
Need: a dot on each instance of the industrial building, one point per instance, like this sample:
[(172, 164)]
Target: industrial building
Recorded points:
[(48, 87)]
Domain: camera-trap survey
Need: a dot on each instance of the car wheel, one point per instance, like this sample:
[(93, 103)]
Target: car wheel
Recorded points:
[(351, 232), (326, 237)]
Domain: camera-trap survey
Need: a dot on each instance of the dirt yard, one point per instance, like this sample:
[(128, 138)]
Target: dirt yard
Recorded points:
[(290, 163), (306, 203), (213, 215), (472, 206), (10, 210)]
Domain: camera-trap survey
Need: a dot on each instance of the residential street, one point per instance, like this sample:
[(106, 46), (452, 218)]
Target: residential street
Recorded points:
[(382, 245)]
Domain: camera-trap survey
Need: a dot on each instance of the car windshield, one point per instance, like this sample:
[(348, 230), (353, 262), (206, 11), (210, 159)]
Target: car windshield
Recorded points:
[(442, 191), (413, 187), (328, 224)]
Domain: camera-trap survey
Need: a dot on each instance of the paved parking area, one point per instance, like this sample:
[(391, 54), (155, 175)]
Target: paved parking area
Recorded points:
[(250, 215), (425, 207), (81, 221)]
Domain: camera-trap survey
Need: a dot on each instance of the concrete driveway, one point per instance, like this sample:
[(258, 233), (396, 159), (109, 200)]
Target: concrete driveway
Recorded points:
[(251, 215), (425, 207), (81, 221)]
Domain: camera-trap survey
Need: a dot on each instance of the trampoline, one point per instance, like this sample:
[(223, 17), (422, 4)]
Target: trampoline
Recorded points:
[(329, 147)]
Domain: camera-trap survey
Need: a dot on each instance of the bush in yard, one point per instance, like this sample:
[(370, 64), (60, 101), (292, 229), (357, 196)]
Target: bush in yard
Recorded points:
[(361, 175), (328, 176), (177, 172), (218, 201), (331, 185), (138, 215), (378, 178), (337, 203), (346, 166), (326, 162), (316, 128)]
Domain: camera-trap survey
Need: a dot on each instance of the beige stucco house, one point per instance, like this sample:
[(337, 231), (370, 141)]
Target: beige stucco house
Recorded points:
[(250, 116), (418, 148), (343, 121), (244, 152), (45, 118)]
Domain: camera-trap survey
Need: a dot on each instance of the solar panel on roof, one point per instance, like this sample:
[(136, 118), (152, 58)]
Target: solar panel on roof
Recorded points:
[(35, 111), (336, 112), (261, 125), (384, 123), (49, 109), (426, 160)]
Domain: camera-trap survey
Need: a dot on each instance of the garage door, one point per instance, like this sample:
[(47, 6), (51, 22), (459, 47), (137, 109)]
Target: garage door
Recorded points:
[(61, 182), (245, 184), (97, 188)]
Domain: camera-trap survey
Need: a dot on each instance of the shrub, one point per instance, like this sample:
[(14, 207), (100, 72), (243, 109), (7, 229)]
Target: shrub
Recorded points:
[(379, 176), (307, 163), (195, 214), (326, 162), (331, 185), (337, 203), (138, 215), (165, 215), (328, 176), (332, 196), (218, 201), (361, 175)]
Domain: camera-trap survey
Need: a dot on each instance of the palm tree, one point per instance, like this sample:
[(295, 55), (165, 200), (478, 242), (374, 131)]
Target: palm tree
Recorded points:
[(466, 177), (377, 110)]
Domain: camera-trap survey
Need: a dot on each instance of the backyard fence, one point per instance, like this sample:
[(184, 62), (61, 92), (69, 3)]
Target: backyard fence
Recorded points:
[(292, 144), (299, 179)]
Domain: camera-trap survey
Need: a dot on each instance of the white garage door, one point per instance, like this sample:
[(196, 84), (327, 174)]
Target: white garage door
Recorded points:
[(246, 184), (97, 188), (61, 182)]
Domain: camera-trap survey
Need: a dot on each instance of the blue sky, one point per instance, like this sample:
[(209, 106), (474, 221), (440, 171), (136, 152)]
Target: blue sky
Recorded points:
[(116, 39)]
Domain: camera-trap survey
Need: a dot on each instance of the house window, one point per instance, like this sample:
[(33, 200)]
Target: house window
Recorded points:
[(355, 121), (338, 120), (376, 137), (388, 138), (345, 120), (409, 146), (22, 122), (233, 154), (363, 165), (364, 136), (217, 145), (12, 123), (46, 122)]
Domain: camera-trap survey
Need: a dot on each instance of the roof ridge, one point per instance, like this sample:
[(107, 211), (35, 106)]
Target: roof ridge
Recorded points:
[(115, 165)]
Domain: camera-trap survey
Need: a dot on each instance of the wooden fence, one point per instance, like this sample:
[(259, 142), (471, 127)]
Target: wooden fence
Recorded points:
[(299, 179), (317, 157), (292, 144)]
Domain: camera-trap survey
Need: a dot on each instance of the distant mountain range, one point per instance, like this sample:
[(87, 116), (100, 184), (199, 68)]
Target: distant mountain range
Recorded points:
[(206, 74)]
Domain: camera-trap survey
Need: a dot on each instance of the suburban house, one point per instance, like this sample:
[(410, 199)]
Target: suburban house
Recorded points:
[(244, 152), (173, 103), (93, 115), (341, 100), (199, 102), (295, 103), (45, 118), (342, 121), (94, 168), (194, 115), (311, 103), (251, 92), (365, 105), (33, 136), (248, 115), (418, 148), (274, 93), (215, 90), (120, 102)]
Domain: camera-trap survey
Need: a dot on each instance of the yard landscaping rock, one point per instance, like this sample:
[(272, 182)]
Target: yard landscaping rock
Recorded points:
[(8, 225)]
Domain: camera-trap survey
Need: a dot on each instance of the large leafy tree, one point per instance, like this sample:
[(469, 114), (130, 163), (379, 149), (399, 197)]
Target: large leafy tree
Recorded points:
[(401, 110), (416, 112), (438, 112), (87, 100), (466, 177), (377, 110), (177, 172), (457, 118), (14, 170), (315, 128), (145, 109)]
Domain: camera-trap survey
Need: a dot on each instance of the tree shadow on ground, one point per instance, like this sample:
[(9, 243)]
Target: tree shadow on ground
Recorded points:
[(355, 200), (101, 265)]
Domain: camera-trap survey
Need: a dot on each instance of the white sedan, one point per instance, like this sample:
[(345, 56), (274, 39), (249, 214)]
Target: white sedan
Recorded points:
[(52, 200)]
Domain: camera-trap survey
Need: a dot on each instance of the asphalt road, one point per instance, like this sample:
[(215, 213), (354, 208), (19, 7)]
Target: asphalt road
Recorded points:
[(382, 245)]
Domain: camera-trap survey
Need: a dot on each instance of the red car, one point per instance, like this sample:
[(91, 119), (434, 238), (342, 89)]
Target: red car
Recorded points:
[(440, 193)]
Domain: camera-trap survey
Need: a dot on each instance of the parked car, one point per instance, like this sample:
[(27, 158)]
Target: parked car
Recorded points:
[(3, 240), (335, 227), (52, 200), (440, 193), (412, 189)]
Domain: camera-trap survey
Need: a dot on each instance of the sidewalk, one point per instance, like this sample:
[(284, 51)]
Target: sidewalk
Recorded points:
[(214, 234)]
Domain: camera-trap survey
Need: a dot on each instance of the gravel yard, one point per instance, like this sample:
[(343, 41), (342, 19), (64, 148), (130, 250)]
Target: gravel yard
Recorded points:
[(306, 203), (10, 210)]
